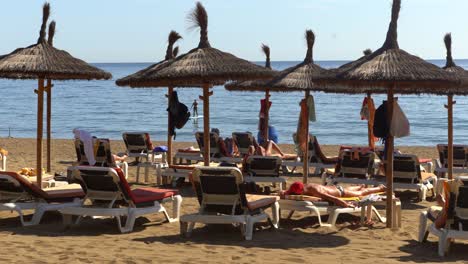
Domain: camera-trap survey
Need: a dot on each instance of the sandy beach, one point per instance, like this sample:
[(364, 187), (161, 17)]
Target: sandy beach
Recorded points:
[(298, 240)]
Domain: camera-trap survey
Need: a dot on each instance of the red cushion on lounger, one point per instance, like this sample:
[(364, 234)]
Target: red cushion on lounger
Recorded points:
[(142, 195), (182, 167), (189, 150), (423, 160)]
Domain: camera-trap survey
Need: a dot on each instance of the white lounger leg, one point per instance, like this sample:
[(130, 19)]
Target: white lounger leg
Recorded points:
[(423, 232), (249, 228), (275, 214), (444, 244), (176, 203)]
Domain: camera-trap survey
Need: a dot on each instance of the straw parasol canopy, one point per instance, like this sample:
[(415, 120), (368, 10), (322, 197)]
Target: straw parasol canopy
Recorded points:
[(450, 65), (389, 65), (144, 76), (301, 77), (205, 66), (392, 70), (42, 61)]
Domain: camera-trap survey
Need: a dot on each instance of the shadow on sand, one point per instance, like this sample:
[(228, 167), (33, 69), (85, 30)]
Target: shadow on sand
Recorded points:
[(427, 252), (264, 238)]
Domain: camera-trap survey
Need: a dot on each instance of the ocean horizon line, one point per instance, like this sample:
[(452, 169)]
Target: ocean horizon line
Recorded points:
[(256, 61)]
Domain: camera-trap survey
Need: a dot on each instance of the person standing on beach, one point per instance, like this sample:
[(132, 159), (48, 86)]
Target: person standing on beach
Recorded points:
[(195, 108)]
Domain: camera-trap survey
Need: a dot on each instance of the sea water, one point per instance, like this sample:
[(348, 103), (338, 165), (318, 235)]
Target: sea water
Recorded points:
[(107, 110)]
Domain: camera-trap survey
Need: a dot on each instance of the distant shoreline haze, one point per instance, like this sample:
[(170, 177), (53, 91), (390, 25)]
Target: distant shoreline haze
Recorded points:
[(107, 110)]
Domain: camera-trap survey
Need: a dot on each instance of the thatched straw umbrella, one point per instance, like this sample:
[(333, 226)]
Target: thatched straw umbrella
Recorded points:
[(257, 85), (392, 70), (42, 61), (144, 76), (301, 77), (205, 66), (48, 90), (451, 67)]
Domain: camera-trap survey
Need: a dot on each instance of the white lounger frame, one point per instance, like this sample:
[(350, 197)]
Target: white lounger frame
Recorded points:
[(247, 221), (320, 208), (446, 236), (39, 206), (131, 212)]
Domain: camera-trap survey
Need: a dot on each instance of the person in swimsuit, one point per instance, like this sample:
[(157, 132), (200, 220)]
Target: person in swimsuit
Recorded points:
[(331, 193)]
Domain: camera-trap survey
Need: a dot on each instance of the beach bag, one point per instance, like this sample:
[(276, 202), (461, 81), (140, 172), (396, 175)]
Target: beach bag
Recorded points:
[(400, 126), (178, 113), (381, 128)]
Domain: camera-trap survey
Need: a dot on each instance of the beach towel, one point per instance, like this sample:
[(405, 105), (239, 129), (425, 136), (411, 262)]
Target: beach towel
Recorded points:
[(301, 132), (368, 113), (88, 145)]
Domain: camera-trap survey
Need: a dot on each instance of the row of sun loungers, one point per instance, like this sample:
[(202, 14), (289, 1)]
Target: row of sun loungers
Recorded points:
[(103, 191)]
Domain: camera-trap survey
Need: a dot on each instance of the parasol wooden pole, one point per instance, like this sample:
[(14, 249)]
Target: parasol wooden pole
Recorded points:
[(169, 121), (206, 123), (40, 113), (369, 128), (267, 115), (306, 152), (48, 90), (389, 161), (449, 106)]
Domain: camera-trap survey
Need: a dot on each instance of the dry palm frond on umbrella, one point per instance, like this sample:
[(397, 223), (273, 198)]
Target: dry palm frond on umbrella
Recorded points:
[(392, 70), (42, 61)]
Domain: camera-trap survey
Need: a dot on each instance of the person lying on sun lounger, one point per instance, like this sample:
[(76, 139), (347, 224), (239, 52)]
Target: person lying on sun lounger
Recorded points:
[(270, 149), (331, 193)]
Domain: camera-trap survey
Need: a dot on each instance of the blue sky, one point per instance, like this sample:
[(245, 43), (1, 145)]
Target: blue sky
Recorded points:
[(136, 30)]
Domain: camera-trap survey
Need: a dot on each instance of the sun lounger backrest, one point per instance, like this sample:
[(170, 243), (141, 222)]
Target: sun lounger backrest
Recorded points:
[(356, 164), (460, 155), (137, 142), (103, 183), (11, 189), (80, 154), (12, 182), (243, 141), (218, 189), (315, 152), (102, 155), (457, 213), (258, 166), (406, 167), (214, 147)]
